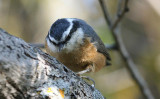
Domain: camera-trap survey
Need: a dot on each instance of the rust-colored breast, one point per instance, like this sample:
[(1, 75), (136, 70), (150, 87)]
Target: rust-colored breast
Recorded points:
[(80, 59)]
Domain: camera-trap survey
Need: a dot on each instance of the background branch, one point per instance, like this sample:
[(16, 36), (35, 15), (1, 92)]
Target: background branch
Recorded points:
[(120, 13), (37, 45), (106, 15), (132, 68)]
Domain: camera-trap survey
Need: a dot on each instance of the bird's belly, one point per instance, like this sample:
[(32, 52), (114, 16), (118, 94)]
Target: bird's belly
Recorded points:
[(79, 59), (75, 61)]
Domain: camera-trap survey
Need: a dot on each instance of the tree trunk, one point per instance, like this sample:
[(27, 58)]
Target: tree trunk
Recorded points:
[(27, 72)]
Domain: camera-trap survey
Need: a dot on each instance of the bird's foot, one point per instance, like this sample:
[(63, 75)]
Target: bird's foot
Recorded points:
[(84, 71), (86, 77), (89, 79)]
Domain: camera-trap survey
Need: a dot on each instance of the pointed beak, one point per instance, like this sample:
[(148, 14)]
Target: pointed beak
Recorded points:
[(60, 47)]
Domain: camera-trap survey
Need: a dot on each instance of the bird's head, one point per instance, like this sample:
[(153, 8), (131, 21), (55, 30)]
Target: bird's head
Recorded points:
[(65, 34)]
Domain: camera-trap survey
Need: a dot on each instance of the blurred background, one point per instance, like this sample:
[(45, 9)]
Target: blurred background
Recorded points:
[(31, 20)]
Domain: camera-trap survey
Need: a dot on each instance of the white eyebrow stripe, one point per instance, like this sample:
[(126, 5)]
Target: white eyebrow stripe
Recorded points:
[(52, 38), (66, 33)]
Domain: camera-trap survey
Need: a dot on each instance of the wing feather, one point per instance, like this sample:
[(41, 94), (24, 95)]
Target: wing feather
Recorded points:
[(89, 32)]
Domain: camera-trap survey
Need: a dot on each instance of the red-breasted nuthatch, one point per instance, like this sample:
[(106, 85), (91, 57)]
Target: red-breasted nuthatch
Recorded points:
[(75, 44)]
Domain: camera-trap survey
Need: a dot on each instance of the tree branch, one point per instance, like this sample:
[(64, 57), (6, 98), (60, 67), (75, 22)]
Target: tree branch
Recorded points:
[(120, 14), (37, 45), (111, 46), (28, 73), (106, 15), (132, 68)]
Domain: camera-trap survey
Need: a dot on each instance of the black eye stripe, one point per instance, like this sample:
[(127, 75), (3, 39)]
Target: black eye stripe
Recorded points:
[(52, 41), (76, 25)]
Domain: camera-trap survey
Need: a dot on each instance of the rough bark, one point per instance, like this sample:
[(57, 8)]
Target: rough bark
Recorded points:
[(27, 72)]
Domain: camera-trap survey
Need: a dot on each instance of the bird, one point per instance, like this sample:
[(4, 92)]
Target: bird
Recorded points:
[(74, 43)]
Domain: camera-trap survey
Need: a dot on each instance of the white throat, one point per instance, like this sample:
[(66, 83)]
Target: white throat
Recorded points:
[(75, 41)]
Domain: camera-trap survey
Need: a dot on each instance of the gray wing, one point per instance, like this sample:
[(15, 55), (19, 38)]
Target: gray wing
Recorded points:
[(89, 32)]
